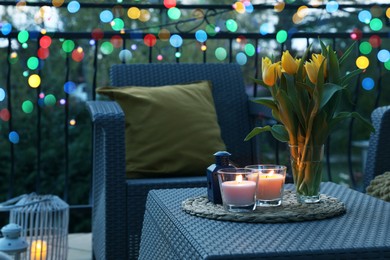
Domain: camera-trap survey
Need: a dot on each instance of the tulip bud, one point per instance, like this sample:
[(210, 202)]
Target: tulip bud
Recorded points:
[(289, 64), (312, 71), (270, 71)]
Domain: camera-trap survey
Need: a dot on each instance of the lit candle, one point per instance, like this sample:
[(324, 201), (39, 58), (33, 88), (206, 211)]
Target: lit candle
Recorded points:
[(270, 186), (38, 250), (238, 192)]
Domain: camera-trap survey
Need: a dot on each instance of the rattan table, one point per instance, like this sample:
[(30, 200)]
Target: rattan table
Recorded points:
[(363, 232)]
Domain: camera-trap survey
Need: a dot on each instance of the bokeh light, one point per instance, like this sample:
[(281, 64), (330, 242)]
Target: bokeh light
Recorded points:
[(176, 40), (144, 15), (365, 48), (174, 13), (368, 83), (106, 48), (5, 115), (23, 36), (383, 55), (303, 11), (387, 65), (362, 62), (2, 94), (13, 57), (249, 7), (231, 25), (125, 55), (332, 6), (106, 16), (116, 41), (50, 100), (279, 6), (34, 80), (164, 35), (266, 28), (201, 36), (117, 24), (239, 7), (97, 34), (73, 7), (45, 41), (43, 53), (133, 13), (210, 29), (220, 53), (169, 3), (27, 106), (376, 24), (68, 46), (72, 122), (150, 40), (78, 54), (241, 58), (250, 49), (32, 63), (281, 36), (6, 28), (70, 87), (57, 3), (13, 137), (364, 16), (375, 41)]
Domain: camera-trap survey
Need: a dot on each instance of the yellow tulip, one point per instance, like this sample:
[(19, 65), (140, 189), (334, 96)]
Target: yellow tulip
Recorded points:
[(312, 71), (318, 59), (312, 67), (289, 64), (270, 71)]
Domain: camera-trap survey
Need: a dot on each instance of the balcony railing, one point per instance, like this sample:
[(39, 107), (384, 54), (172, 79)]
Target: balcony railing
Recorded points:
[(46, 133)]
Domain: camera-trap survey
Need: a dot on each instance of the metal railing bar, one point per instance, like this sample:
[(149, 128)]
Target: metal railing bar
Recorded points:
[(39, 129), (10, 124), (134, 34), (192, 6), (66, 129)]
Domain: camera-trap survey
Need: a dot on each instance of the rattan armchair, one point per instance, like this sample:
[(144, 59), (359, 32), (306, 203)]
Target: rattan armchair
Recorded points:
[(378, 154), (119, 203)]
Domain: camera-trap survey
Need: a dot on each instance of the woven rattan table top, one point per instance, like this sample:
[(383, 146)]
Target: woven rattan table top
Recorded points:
[(170, 233), (289, 211)]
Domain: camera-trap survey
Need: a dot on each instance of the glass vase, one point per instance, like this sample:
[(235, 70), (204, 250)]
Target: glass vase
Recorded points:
[(306, 166)]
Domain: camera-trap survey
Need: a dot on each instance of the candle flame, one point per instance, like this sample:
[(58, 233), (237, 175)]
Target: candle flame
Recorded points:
[(239, 178), (271, 172)]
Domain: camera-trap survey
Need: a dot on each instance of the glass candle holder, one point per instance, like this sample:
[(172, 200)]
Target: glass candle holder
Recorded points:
[(238, 189), (270, 184)]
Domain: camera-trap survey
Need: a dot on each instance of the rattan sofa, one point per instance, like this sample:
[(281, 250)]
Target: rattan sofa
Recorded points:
[(378, 154), (119, 203)]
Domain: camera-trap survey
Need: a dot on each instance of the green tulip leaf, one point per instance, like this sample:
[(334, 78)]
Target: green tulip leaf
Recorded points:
[(278, 132), (345, 79), (346, 53), (266, 101), (329, 90), (345, 115)]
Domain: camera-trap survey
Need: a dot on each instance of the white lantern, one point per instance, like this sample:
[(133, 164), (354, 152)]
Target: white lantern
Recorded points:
[(12, 243), (44, 220)]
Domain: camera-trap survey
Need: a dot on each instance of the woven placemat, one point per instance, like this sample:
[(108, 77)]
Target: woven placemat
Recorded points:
[(289, 211)]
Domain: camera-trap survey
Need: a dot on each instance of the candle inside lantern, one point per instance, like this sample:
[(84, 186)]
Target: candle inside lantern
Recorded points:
[(38, 250), (238, 192)]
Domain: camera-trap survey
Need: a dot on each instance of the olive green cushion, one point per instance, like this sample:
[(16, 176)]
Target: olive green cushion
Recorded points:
[(170, 130)]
